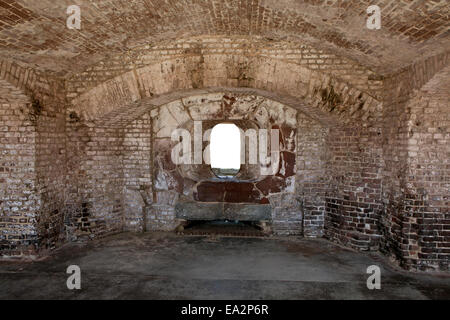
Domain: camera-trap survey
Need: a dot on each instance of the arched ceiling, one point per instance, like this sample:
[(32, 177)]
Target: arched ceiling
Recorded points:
[(12, 94), (35, 33)]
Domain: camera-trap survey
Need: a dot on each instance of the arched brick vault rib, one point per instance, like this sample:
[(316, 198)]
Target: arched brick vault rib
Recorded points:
[(46, 103), (14, 95), (18, 201), (33, 83), (401, 85), (319, 91), (418, 75), (416, 178), (251, 46), (122, 117), (21, 78)]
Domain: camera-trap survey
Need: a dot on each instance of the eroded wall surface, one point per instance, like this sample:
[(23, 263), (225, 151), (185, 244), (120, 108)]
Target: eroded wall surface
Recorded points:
[(197, 182)]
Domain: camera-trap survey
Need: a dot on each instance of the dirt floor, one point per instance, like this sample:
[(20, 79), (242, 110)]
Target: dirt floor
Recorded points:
[(170, 266)]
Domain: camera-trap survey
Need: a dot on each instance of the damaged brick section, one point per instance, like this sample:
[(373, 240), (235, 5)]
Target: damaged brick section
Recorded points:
[(197, 182)]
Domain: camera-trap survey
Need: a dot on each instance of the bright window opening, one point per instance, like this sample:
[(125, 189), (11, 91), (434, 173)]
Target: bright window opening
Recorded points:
[(225, 150)]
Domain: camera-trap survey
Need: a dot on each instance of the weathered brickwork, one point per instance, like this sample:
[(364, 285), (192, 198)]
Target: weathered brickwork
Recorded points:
[(301, 54), (416, 217), (45, 111), (77, 209), (19, 204), (319, 90), (353, 207), (51, 163), (86, 118), (108, 169)]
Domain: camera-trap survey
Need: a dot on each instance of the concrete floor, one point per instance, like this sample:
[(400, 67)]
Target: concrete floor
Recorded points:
[(167, 266)]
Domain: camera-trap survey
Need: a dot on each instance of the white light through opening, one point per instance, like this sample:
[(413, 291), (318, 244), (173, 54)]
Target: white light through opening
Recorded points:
[(225, 147)]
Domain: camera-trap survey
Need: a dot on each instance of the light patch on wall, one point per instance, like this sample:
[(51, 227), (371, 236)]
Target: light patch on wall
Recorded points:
[(225, 149)]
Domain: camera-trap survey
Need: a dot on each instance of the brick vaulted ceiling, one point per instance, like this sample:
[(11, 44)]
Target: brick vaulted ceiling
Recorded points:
[(34, 32)]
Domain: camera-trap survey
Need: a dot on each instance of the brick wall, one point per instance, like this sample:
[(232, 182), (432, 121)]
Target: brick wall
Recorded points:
[(358, 144), (45, 110), (426, 208), (138, 168), (19, 204), (414, 171), (338, 173), (312, 174), (354, 204), (51, 161), (197, 183), (96, 179), (112, 27), (417, 215), (316, 89)]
